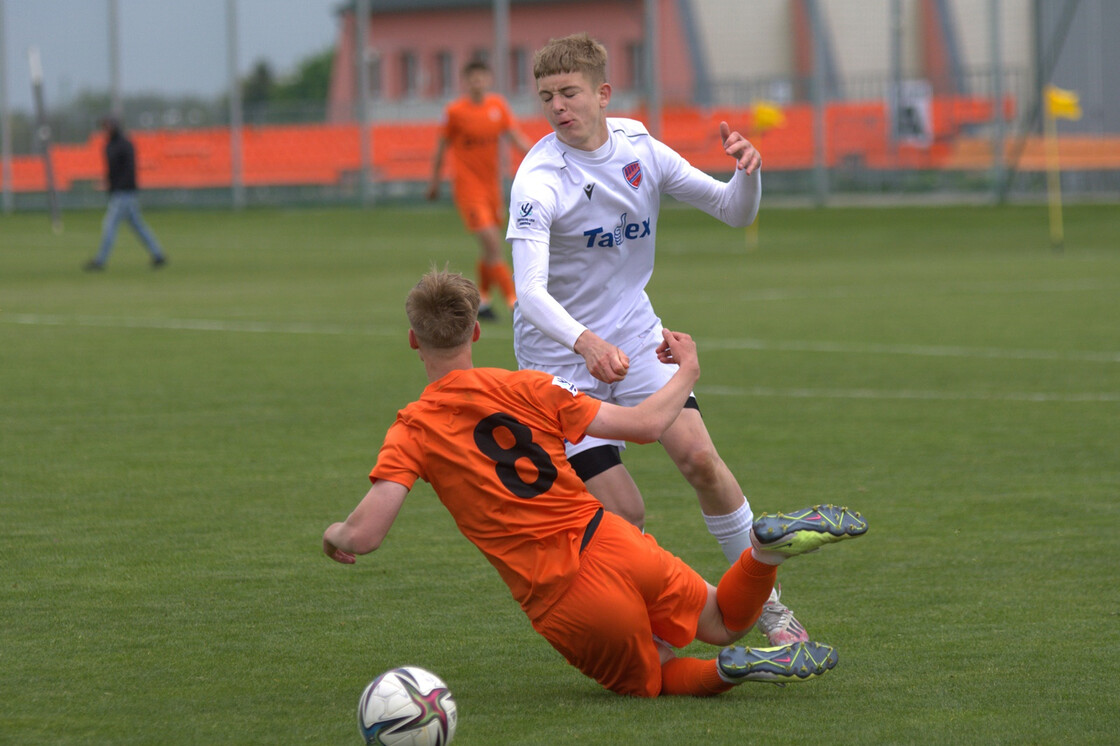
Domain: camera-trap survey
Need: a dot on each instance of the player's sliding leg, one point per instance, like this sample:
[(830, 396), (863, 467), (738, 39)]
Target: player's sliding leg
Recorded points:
[(735, 665), (776, 537), (692, 677), (785, 664)]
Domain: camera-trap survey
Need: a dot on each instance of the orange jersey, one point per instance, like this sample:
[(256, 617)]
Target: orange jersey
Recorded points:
[(473, 132), (491, 444)]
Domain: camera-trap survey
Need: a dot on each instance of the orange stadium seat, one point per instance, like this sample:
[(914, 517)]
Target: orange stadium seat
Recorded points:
[(330, 154)]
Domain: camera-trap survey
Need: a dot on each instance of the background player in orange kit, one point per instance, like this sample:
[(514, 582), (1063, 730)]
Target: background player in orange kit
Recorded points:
[(471, 131), (605, 595)]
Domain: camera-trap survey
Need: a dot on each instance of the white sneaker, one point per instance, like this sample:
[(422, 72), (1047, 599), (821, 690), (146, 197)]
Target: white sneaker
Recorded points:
[(777, 622)]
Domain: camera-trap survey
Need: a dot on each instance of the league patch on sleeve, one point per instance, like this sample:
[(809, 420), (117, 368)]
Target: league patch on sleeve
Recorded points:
[(565, 384), (526, 216)]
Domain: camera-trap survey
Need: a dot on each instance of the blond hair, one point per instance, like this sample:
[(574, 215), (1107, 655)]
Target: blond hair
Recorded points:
[(442, 309), (578, 53)]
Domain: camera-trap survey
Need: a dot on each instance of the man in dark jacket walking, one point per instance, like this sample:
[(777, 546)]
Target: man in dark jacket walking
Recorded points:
[(120, 163)]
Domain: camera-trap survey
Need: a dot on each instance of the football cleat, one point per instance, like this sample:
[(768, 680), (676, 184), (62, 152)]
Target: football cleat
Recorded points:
[(804, 531), (777, 665), (777, 623)]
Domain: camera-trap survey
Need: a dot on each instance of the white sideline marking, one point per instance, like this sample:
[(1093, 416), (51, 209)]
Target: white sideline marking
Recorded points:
[(764, 391), (205, 325), (260, 327), (920, 350), (266, 327), (982, 287)]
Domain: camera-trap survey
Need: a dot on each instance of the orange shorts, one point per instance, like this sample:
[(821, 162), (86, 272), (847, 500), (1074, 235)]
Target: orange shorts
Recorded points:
[(479, 208), (628, 589)]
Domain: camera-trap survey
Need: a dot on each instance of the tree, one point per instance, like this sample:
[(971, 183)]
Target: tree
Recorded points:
[(259, 87), (310, 81)]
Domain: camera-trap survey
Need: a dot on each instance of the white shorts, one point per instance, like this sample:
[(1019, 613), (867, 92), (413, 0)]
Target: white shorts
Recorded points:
[(645, 376)]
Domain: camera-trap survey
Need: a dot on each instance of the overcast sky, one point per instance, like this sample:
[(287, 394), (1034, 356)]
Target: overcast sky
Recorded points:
[(166, 46)]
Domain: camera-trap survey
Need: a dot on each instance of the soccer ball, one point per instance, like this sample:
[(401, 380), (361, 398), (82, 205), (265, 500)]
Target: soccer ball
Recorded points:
[(407, 706)]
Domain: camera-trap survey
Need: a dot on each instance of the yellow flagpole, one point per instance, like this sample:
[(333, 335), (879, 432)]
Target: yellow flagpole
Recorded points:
[(752, 235), (1054, 182), (764, 116), (1066, 105)]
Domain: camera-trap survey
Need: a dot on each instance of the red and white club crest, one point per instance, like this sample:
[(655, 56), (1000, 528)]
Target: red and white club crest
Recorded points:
[(633, 173)]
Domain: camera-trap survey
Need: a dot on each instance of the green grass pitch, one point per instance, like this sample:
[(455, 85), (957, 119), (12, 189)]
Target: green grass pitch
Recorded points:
[(173, 443)]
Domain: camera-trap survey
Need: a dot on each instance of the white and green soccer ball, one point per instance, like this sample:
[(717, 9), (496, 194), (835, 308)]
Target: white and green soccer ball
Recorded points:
[(407, 706)]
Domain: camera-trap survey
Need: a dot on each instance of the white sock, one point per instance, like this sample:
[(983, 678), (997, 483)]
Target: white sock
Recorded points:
[(732, 531)]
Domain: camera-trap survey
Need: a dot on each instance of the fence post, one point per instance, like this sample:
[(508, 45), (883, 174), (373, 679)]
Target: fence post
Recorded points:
[(365, 135), (237, 181)]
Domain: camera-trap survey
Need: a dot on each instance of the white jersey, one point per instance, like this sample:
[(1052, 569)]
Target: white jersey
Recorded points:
[(593, 218)]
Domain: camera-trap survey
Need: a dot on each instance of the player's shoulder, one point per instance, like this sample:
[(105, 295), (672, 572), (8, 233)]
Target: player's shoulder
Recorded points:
[(627, 127), (545, 156)]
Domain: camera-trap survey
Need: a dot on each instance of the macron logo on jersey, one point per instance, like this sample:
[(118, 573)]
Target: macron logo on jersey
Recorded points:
[(617, 236), (565, 384)]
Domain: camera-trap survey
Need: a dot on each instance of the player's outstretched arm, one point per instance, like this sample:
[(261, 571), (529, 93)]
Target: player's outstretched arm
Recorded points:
[(365, 528), (647, 421), (747, 158)]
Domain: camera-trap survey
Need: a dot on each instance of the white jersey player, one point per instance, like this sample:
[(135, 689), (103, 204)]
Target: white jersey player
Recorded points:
[(585, 227), (583, 224)]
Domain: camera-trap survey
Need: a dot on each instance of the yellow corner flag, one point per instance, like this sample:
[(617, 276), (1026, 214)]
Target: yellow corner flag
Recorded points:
[(767, 116), (1062, 104)]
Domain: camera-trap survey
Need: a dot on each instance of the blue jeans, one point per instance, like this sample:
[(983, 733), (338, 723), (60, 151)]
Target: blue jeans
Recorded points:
[(124, 205)]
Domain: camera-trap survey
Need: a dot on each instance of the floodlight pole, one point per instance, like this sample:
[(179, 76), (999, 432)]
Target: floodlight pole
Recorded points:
[(652, 69), (43, 135), (500, 11), (820, 167), (1045, 61), (5, 121), (896, 77), (996, 55), (116, 106), (501, 46), (236, 179), (365, 133)]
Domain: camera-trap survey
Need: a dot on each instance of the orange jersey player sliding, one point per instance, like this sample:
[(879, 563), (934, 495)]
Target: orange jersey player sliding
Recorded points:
[(471, 133), (606, 596)]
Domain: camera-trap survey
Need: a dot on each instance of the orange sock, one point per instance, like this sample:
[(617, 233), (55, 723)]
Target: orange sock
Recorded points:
[(691, 677), (743, 589), (483, 271), (500, 276)]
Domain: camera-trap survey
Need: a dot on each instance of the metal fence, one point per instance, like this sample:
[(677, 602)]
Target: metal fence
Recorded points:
[(967, 77)]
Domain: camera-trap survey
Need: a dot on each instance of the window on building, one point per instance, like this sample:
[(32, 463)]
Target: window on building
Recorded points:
[(410, 74), (445, 74), (482, 54), (636, 62), (519, 72), (373, 70)]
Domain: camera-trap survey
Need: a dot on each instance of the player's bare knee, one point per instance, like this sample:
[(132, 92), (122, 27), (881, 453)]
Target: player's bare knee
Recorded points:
[(702, 467)]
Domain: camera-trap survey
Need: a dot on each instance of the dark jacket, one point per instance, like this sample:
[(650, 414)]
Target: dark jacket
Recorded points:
[(120, 161)]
